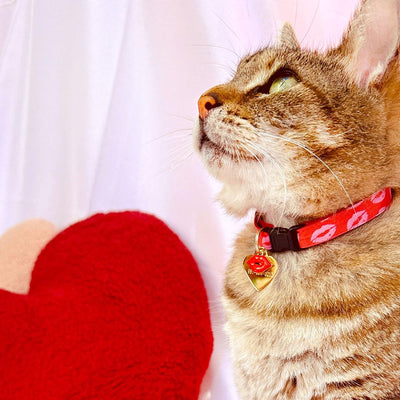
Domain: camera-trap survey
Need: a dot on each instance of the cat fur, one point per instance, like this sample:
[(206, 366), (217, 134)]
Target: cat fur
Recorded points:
[(328, 326)]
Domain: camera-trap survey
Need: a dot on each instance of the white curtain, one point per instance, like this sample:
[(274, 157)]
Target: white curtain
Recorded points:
[(97, 102)]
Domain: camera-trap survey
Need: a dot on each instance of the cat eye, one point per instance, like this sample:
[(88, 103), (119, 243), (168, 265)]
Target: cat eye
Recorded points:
[(280, 81)]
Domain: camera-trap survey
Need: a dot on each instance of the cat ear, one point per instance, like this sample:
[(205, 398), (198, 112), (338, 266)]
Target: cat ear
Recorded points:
[(287, 38), (371, 40)]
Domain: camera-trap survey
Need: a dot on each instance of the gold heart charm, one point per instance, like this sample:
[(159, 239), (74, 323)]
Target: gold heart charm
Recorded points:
[(260, 269)]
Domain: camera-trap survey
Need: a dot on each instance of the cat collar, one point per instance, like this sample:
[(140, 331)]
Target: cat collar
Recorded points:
[(261, 268), (321, 230)]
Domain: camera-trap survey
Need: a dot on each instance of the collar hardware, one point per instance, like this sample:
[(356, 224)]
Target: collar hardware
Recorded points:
[(284, 239)]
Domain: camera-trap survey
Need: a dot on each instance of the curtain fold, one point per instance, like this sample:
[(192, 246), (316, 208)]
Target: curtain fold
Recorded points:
[(97, 103)]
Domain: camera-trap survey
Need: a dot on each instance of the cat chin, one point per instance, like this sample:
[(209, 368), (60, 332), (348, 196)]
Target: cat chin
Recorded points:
[(196, 136), (246, 186), (235, 203), (239, 199)]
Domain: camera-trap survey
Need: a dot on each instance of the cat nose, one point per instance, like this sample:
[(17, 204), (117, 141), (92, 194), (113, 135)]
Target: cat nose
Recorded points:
[(206, 103)]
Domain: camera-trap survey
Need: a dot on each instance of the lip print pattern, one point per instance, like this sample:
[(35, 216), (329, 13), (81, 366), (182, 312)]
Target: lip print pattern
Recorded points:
[(358, 219), (258, 263), (379, 197), (260, 281), (323, 234), (327, 228)]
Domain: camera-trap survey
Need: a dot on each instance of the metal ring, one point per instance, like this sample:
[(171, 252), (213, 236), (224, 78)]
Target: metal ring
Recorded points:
[(258, 248)]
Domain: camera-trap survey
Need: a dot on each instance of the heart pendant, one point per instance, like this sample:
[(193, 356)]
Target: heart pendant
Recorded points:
[(260, 269)]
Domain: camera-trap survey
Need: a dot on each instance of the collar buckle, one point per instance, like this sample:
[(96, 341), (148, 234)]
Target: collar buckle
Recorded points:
[(284, 239)]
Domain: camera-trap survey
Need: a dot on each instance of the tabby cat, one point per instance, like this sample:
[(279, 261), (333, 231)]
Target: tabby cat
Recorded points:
[(299, 135)]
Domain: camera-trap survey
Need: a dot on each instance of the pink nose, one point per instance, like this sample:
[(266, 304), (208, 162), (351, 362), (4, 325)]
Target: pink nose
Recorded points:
[(206, 103)]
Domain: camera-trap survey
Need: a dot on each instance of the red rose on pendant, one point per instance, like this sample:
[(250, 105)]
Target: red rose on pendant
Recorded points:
[(258, 263)]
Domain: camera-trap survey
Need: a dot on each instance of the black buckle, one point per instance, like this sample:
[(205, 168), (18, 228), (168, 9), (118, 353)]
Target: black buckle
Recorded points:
[(284, 239)]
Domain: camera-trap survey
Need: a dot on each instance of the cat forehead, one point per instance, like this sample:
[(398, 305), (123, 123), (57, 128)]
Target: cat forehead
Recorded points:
[(258, 67)]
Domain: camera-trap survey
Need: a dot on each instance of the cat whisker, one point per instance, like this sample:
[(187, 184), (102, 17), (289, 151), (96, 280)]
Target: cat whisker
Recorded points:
[(176, 145), (175, 134), (229, 28), (238, 57), (238, 155), (171, 167), (247, 147), (191, 120), (284, 182), (183, 147), (177, 163), (280, 171), (312, 22), (304, 147), (295, 13), (227, 68), (259, 162)]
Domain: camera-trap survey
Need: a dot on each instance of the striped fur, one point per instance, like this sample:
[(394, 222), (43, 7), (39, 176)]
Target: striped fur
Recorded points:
[(328, 326)]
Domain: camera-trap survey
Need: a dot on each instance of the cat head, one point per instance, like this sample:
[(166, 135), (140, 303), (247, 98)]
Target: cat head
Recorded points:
[(304, 133)]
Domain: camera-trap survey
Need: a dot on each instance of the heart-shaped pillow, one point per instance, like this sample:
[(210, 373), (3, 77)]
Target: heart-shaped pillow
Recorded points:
[(19, 249), (116, 310)]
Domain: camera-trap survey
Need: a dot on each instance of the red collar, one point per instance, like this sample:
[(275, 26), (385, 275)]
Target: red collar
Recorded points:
[(321, 230)]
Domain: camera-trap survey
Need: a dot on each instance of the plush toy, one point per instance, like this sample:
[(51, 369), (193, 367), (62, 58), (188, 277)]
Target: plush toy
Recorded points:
[(19, 248), (116, 310)]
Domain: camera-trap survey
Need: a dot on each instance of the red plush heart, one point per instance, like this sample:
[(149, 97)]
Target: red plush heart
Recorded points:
[(116, 310)]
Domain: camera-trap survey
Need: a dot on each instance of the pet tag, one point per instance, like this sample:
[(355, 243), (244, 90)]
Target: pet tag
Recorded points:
[(260, 268)]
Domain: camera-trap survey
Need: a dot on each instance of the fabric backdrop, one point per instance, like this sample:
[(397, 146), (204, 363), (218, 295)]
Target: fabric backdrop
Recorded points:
[(97, 102)]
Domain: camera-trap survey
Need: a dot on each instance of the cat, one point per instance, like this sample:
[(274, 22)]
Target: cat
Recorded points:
[(299, 135)]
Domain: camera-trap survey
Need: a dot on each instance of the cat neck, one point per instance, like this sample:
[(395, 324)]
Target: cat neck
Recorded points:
[(275, 217)]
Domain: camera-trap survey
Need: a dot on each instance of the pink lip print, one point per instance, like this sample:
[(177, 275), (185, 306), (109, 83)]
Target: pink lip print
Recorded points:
[(379, 197), (258, 263), (324, 233), (357, 219)]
